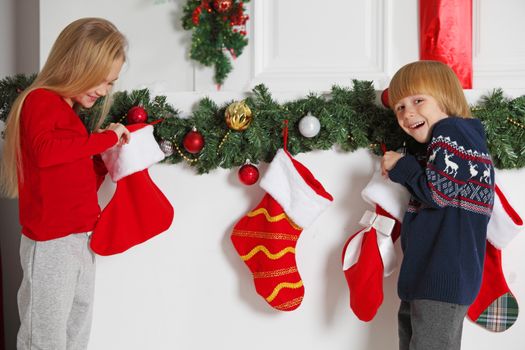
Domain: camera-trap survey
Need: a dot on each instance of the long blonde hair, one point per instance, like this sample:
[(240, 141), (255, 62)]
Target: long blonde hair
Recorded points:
[(81, 58), (431, 78)]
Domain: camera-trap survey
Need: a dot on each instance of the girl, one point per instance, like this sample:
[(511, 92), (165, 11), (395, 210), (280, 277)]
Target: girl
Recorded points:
[(444, 229), (48, 162)]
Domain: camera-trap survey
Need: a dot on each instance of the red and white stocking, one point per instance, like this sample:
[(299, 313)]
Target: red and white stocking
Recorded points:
[(368, 255), (138, 209), (495, 307), (266, 237)]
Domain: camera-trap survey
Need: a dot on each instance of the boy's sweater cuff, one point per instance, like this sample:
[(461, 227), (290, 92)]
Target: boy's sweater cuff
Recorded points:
[(405, 168)]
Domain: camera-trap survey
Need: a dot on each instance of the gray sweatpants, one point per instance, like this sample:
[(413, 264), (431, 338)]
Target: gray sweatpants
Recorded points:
[(430, 325), (56, 295)]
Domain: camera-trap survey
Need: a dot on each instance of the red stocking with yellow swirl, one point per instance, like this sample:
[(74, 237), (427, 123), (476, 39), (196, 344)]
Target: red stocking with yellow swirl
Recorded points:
[(266, 237)]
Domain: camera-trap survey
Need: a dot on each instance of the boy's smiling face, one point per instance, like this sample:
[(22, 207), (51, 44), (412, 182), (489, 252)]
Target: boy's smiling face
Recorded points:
[(417, 114)]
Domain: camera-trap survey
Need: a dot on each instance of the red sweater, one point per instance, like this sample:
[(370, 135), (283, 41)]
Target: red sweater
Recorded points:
[(58, 194)]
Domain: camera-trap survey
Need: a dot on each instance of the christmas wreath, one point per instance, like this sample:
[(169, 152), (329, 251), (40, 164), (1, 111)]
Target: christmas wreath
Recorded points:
[(219, 30)]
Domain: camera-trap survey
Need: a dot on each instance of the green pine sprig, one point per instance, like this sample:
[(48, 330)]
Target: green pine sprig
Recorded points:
[(504, 123), (215, 37)]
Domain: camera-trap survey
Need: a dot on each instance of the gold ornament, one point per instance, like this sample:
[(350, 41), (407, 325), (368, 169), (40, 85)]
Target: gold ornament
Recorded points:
[(238, 116)]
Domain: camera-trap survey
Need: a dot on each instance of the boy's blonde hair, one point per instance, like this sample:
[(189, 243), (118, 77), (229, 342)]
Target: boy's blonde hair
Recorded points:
[(431, 78), (80, 59)]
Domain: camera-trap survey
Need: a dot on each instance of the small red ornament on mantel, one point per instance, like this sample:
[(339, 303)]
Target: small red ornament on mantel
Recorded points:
[(193, 141), (222, 5), (384, 98), (136, 114), (248, 174)]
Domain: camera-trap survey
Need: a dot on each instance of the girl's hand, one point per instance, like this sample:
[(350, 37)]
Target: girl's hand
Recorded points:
[(388, 161), (121, 131)]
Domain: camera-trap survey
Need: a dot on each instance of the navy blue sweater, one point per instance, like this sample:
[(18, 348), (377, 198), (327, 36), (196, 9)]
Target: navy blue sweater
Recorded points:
[(445, 227)]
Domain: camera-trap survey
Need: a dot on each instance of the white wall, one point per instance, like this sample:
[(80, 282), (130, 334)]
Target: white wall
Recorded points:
[(157, 41), (27, 36), (187, 288), (7, 207), (7, 44)]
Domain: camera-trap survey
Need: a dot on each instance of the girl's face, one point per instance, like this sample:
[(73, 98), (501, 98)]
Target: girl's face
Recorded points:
[(88, 98), (417, 114)]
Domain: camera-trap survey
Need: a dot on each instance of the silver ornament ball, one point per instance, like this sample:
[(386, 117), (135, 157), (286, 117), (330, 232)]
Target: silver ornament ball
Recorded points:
[(166, 147), (309, 126)]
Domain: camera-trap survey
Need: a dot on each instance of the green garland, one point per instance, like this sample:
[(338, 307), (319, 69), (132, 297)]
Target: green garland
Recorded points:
[(10, 87), (350, 119), (219, 29), (504, 122)]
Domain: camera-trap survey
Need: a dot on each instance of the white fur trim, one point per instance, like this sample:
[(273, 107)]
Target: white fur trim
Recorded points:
[(383, 226), (284, 183), (140, 153), (501, 228), (391, 196)]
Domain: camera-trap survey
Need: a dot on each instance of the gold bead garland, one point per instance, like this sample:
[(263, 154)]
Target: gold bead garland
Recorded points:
[(515, 123), (223, 141), (183, 156)]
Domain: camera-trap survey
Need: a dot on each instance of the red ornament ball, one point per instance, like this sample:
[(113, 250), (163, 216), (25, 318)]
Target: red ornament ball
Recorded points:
[(248, 174), (384, 98), (193, 142), (137, 114), (222, 5)]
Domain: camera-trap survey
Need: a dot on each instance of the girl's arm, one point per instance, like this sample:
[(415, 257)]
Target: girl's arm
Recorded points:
[(51, 150), (55, 135)]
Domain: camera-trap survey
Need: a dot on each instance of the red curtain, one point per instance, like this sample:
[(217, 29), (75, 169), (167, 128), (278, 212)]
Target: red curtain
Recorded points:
[(446, 35)]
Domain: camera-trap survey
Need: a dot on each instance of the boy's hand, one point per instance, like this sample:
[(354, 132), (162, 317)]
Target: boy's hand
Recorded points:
[(388, 161)]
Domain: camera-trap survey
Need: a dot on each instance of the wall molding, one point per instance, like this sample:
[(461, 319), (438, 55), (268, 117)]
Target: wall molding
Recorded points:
[(490, 67), (283, 75)]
